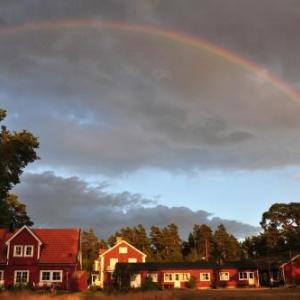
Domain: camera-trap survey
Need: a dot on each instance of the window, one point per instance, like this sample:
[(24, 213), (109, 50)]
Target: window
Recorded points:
[(21, 277), (204, 276), (123, 250), (28, 251), (169, 277), (132, 260), (246, 275), (153, 276), (112, 263), (1, 275), (224, 276), (18, 250), (51, 276)]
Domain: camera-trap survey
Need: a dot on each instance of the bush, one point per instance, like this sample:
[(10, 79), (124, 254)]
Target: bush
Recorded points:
[(191, 284), (149, 285)]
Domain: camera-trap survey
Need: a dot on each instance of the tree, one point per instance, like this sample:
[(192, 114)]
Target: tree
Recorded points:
[(16, 214), (226, 245), (203, 238), (17, 150), (281, 225), (90, 249)]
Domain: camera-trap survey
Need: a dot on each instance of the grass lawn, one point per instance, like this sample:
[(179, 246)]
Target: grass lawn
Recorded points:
[(219, 294)]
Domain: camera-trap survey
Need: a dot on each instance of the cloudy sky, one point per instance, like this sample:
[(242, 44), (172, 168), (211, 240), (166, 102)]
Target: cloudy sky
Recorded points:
[(154, 111)]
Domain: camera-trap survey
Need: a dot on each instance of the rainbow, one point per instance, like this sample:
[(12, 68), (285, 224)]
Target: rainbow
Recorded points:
[(179, 37)]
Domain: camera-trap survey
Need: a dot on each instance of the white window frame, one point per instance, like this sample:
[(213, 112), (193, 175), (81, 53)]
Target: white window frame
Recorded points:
[(247, 275), (182, 277), (153, 276), (15, 250), (22, 271), (51, 276), (206, 274), (132, 260), (25, 249), (227, 276), (123, 250)]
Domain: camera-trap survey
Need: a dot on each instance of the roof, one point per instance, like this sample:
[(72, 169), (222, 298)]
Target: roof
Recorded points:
[(292, 259), (155, 266), (59, 246), (121, 242)]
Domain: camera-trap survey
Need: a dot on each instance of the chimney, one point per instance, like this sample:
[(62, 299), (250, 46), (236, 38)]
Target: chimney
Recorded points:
[(118, 239)]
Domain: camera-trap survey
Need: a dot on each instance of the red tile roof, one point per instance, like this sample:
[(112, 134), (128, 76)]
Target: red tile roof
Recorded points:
[(59, 245)]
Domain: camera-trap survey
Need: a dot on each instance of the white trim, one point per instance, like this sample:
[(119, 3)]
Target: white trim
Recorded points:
[(205, 273), (1, 278), (19, 231), (117, 244), (22, 271), (15, 251), (25, 249), (123, 250), (247, 275), (50, 280)]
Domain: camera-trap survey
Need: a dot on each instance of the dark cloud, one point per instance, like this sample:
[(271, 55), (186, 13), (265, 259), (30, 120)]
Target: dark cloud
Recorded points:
[(108, 101), (57, 201)]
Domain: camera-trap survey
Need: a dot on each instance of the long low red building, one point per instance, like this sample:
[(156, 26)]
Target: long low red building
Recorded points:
[(205, 275), (41, 257)]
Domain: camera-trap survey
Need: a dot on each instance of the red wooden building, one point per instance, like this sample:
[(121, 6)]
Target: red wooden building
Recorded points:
[(291, 271), (41, 257), (121, 252), (206, 275)]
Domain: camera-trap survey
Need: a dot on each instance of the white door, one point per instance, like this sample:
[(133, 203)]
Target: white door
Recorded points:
[(177, 281), (251, 278)]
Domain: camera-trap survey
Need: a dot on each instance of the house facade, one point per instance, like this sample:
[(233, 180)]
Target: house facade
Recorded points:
[(121, 252), (41, 258), (291, 271), (205, 275)]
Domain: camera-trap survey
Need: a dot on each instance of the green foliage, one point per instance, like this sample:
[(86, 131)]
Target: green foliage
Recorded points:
[(149, 285), (122, 276), (17, 150), (90, 249), (191, 284)]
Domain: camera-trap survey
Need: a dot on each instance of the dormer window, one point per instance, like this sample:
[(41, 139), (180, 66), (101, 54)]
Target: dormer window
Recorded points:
[(28, 251), (18, 251)]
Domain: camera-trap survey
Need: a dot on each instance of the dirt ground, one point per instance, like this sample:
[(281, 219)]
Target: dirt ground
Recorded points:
[(229, 294)]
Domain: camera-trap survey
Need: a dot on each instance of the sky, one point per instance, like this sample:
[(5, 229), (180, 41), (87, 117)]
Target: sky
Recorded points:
[(154, 111)]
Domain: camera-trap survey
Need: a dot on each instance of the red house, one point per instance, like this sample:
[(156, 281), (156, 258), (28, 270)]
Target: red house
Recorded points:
[(291, 271), (123, 252), (41, 257), (205, 275), (238, 274)]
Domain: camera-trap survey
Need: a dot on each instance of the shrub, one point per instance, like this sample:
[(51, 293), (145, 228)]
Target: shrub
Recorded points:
[(191, 284), (149, 285)]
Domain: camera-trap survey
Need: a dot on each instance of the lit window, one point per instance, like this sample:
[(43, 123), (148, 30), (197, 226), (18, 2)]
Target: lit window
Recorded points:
[(153, 276), (132, 260), (18, 251), (123, 250), (204, 276), (244, 275), (28, 251), (224, 276)]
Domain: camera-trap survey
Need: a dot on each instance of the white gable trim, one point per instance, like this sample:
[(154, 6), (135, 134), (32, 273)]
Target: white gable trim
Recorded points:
[(18, 232), (292, 259), (116, 245)]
